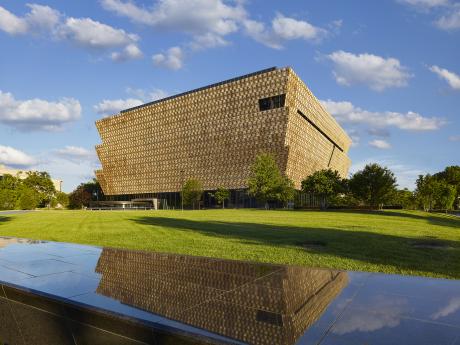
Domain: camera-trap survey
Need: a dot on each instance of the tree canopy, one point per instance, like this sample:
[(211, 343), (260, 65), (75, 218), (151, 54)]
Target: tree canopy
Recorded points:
[(192, 191), (374, 185), (221, 195), (266, 183), (324, 183), (37, 189), (85, 193), (451, 176), (439, 191), (41, 182)]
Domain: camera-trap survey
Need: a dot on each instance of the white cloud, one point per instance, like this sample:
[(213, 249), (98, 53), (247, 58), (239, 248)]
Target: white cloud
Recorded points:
[(452, 307), (114, 106), (130, 52), (282, 29), (71, 170), (76, 153), (292, 29), (451, 20), (354, 135), (379, 132), (336, 25), (209, 21), (128, 9), (72, 164), (172, 59), (380, 144), (194, 17), (374, 71), (147, 96), (454, 138), (85, 32), (346, 112), (257, 31), (37, 114), (42, 17), (93, 34), (405, 174), (13, 157), (12, 24), (452, 78), (425, 4), (208, 40), (39, 18)]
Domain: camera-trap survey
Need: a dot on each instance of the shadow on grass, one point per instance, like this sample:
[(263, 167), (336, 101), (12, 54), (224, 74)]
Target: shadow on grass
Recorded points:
[(4, 219), (369, 247), (439, 219)]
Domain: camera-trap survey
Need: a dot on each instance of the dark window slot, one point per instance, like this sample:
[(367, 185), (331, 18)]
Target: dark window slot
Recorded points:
[(272, 102), (319, 130), (330, 158), (269, 317)]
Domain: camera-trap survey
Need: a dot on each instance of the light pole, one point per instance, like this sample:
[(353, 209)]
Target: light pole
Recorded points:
[(182, 190)]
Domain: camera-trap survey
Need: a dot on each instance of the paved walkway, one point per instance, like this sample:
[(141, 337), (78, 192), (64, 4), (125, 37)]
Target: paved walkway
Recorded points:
[(15, 211)]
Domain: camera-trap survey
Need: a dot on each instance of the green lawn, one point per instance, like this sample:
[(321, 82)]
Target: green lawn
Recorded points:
[(366, 241)]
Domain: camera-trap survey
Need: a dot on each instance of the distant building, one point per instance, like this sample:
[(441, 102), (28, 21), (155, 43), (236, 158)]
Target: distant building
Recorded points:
[(214, 134), (23, 174)]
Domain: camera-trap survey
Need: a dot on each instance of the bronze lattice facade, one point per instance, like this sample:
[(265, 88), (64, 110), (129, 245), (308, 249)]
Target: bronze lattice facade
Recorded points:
[(214, 134)]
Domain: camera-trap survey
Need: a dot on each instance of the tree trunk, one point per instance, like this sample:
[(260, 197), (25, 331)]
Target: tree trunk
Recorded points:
[(323, 203)]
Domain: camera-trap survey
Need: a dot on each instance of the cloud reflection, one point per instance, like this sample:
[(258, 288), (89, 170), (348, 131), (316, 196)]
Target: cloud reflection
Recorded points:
[(385, 312)]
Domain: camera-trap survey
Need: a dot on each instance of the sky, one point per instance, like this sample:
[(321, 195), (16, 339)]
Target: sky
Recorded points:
[(388, 71)]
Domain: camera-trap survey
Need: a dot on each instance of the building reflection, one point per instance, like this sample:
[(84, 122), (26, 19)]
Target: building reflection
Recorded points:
[(254, 303), (8, 241)]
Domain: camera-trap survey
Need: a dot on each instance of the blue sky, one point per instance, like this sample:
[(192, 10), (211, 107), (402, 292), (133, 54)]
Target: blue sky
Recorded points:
[(389, 71)]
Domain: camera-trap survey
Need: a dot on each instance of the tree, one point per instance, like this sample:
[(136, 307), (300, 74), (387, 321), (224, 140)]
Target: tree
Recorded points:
[(9, 192), (324, 183), (451, 175), (221, 195), (84, 194), (404, 198), (28, 199), (79, 197), (94, 189), (266, 183), (9, 182), (285, 191), (374, 185), (446, 195), (42, 183), (62, 199), (192, 192), (8, 199), (425, 192)]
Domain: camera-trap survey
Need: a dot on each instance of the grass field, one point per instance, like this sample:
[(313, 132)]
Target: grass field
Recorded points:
[(358, 240)]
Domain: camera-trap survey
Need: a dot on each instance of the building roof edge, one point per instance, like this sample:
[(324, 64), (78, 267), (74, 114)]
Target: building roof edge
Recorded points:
[(266, 70)]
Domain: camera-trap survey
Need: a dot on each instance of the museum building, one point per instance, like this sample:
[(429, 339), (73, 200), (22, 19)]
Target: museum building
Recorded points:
[(214, 134)]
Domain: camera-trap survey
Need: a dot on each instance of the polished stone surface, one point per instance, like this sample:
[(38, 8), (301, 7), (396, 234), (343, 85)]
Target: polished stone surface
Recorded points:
[(216, 301)]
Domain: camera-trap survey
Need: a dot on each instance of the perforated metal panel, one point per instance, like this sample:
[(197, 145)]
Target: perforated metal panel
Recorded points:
[(214, 134)]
